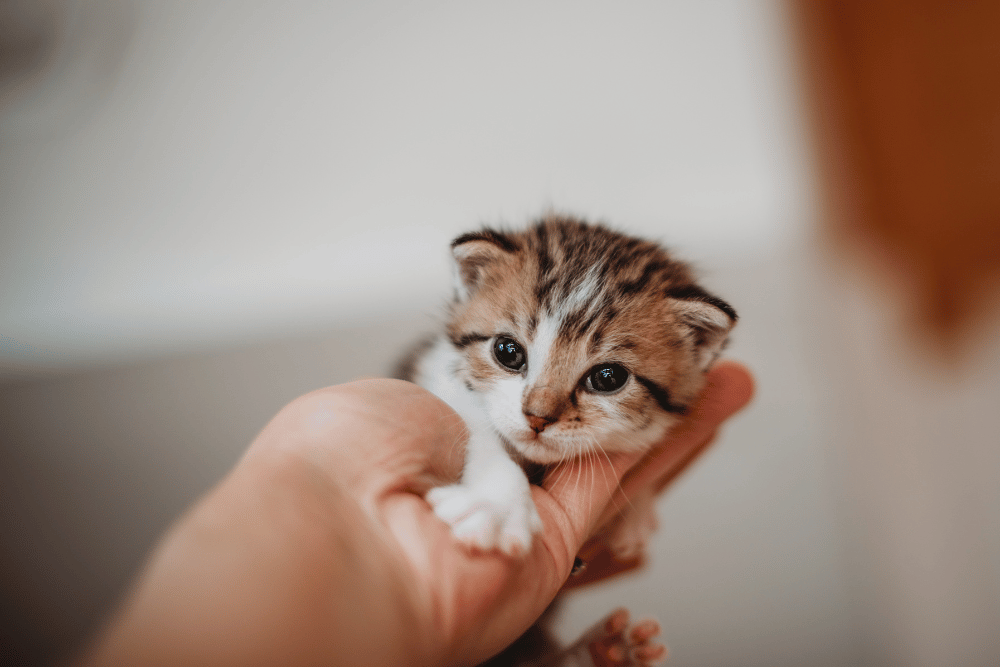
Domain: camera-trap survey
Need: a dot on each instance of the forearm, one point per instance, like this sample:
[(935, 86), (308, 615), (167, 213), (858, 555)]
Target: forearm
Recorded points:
[(275, 566)]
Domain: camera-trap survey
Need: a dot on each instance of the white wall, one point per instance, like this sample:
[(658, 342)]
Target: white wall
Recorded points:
[(193, 180), (189, 181), (186, 174)]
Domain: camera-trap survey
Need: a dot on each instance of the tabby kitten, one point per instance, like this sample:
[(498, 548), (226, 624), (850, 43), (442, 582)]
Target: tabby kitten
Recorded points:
[(563, 340)]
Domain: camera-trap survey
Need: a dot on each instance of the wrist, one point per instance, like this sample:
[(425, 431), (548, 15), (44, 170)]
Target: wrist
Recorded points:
[(275, 566)]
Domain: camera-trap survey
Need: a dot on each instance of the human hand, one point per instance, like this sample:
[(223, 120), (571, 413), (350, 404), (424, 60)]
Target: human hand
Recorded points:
[(474, 604), (319, 547)]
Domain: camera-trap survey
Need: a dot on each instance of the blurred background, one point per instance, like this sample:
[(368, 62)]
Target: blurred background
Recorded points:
[(209, 208)]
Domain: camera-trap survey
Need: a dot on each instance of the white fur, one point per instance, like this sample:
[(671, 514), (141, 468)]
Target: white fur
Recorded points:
[(540, 347), (582, 296), (491, 508)]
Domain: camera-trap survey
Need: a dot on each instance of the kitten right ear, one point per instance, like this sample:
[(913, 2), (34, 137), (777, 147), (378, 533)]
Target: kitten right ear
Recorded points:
[(474, 253), (709, 319)]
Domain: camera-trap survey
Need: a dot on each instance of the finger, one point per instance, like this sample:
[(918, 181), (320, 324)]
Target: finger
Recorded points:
[(580, 489), (374, 436), (600, 566), (462, 589), (729, 386), (591, 491)]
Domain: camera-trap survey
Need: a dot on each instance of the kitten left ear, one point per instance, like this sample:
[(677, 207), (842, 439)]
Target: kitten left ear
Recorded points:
[(710, 319), (474, 254)]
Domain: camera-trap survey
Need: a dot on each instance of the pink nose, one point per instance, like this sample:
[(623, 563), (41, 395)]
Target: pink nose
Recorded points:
[(537, 423)]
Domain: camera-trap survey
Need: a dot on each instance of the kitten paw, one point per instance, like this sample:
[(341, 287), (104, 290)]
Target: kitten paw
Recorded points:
[(615, 643), (484, 522)]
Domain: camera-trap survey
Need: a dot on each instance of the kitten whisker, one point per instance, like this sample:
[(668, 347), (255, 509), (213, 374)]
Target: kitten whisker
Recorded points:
[(598, 448), (593, 473)]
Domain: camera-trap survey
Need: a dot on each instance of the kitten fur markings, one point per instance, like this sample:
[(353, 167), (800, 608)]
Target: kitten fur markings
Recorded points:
[(563, 340)]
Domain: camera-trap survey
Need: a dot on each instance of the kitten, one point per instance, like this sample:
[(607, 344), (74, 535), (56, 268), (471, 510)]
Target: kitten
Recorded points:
[(564, 340)]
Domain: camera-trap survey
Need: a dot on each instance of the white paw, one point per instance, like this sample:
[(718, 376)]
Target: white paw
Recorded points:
[(630, 535), (486, 521)]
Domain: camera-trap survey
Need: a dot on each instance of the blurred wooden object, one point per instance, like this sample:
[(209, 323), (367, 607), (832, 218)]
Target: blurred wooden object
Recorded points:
[(906, 99), (906, 102)]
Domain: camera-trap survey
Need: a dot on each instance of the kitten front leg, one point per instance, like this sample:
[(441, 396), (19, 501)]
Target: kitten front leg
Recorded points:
[(491, 508)]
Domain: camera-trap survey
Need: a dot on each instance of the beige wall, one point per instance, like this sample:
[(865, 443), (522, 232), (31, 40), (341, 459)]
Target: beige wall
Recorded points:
[(749, 549), (180, 174), (205, 212)]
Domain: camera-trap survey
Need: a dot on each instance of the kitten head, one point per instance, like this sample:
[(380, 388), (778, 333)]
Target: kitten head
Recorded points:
[(578, 338)]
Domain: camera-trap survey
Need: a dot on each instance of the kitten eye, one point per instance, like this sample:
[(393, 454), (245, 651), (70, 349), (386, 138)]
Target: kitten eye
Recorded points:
[(606, 378), (509, 353)]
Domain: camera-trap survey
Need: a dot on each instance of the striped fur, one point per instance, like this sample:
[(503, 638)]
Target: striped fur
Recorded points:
[(575, 295)]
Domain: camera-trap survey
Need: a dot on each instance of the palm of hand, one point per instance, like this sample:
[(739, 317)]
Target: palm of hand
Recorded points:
[(469, 605)]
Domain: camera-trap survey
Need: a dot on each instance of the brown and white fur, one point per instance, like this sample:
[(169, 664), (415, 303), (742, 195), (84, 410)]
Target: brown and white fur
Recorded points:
[(586, 309)]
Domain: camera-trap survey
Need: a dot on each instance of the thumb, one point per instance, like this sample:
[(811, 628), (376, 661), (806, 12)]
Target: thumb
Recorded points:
[(590, 492)]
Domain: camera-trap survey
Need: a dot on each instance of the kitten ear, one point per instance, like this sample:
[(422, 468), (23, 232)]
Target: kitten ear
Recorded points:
[(709, 318), (474, 253)]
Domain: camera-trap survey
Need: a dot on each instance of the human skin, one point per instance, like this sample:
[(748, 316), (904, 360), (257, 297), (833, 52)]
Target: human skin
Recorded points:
[(318, 548)]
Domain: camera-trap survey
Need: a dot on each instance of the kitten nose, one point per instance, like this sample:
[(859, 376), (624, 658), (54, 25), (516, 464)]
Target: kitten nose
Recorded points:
[(537, 423)]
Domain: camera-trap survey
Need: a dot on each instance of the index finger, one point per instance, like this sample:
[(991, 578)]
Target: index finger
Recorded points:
[(729, 387), (592, 491)]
